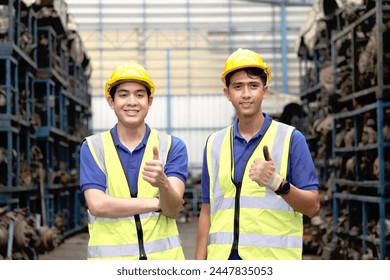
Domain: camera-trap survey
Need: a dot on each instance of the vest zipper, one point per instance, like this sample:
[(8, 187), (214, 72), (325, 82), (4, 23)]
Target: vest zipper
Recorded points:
[(140, 235), (137, 219), (236, 233)]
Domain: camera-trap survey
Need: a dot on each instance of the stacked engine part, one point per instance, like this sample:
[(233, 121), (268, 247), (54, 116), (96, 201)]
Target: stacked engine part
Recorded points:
[(345, 53), (44, 116)]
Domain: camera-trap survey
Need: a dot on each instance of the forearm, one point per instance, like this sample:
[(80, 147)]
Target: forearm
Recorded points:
[(102, 205), (303, 201), (171, 197)]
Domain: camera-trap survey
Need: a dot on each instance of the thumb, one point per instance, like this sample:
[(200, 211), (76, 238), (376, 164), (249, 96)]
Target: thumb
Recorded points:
[(156, 155), (267, 157)]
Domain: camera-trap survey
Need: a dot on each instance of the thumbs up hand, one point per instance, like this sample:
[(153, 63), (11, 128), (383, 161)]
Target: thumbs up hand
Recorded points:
[(262, 171), (153, 171)]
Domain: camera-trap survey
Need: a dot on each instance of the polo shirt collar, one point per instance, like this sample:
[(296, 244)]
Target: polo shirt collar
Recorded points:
[(260, 133), (118, 143)]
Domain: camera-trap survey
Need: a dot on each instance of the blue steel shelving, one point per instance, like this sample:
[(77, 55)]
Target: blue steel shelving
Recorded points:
[(352, 163), (360, 190), (43, 120)]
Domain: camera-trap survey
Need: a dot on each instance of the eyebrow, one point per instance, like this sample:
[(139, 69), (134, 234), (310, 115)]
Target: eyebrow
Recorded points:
[(135, 91), (251, 82)]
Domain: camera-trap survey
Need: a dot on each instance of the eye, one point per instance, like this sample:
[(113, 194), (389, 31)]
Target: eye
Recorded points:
[(141, 94), (238, 87)]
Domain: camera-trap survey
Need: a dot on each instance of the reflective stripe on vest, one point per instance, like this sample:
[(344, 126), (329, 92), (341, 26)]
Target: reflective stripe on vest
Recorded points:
[(125, 251), (269, 228), (116, 238)]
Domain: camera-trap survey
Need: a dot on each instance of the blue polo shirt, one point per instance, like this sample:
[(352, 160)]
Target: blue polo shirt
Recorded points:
[(92, 177), (301, 170)]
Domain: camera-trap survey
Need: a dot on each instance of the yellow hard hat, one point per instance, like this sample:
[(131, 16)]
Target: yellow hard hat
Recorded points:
[(244, 58), (129, 71)]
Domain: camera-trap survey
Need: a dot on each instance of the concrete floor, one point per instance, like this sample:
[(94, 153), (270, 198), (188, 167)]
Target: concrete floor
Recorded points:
[(75, 247)]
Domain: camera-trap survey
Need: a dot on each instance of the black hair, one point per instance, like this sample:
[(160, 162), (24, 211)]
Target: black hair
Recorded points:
[(113, 90), (250, 71)]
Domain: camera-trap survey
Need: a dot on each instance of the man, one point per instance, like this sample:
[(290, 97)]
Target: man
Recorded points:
[(133, 177), (258, 177)]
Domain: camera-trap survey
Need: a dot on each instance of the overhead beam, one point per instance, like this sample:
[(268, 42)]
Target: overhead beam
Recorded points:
[(286, 2)]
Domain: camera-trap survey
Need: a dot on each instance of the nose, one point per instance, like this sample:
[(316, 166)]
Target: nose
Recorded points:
[(131, 99), (245, 90)]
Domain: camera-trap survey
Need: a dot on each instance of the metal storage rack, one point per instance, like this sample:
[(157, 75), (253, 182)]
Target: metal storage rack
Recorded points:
[(314, 124), (358, 102), (43, 120), (361, 182), (315, 110)]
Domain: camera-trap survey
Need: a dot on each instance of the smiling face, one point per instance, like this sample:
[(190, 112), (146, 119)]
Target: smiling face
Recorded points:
[(131, 104), (246, 93)]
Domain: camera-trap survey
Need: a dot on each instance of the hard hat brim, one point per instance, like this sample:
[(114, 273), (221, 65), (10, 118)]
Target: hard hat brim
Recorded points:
[(224, 74), (117, 83)]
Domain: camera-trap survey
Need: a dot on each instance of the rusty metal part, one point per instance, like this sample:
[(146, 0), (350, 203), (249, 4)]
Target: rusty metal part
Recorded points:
[(3, 232), (49, 238)]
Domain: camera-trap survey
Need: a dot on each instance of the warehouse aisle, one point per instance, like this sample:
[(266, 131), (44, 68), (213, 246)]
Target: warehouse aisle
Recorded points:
[(75, 247)]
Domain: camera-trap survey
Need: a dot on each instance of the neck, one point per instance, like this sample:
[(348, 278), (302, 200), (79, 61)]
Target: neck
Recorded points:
[(249, 127), (131, 137)]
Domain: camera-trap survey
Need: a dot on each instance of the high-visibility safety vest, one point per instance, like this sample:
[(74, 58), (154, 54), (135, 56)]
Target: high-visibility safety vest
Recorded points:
[(265, 226), (118, 238)]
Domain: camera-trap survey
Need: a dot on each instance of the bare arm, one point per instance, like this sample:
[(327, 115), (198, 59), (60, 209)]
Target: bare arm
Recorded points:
[(171, 189), (171, 197), (102, 205), (203, 232)]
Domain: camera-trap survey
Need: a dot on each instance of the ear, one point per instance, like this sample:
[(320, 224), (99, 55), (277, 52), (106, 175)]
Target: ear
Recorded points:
[(265, 89), (150, 101), (110, 102), (226, 91)]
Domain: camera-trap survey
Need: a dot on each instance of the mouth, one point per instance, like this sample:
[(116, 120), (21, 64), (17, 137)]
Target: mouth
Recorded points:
[(246, 103), (131, 112)]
